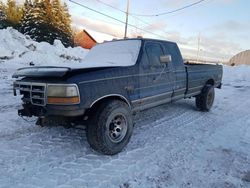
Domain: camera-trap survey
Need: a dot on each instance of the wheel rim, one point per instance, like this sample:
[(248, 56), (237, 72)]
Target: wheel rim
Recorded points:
[(210, 99), (117, 128)]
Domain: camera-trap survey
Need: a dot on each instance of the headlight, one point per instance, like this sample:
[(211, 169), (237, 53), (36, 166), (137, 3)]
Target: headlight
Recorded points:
[(63, 94)]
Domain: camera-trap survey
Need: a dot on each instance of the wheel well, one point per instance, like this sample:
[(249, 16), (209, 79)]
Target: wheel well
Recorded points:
[(210, 82), (109, 97)]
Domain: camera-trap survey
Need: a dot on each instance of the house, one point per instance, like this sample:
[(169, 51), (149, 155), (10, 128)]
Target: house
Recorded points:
[(84, 39)]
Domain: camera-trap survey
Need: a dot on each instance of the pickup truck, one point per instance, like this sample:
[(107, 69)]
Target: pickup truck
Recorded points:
[(115, 80)]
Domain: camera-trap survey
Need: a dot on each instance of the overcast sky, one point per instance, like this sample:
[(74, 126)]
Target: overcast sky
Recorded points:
[(223, 25)]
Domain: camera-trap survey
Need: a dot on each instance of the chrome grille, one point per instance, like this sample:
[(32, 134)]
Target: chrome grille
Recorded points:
[(32, 92)]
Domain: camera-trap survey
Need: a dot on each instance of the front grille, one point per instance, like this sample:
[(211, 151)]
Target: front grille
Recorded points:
[(32, 92)]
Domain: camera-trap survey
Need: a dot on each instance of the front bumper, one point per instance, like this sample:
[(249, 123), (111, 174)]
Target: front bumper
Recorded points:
[(34, 97), (30, 110), (69, 111)]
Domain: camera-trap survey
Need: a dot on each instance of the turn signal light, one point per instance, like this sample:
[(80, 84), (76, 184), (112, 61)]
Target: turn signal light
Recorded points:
[(63, 100)]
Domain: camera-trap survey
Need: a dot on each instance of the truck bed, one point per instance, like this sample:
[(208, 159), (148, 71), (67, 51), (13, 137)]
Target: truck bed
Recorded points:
[(199, 74)]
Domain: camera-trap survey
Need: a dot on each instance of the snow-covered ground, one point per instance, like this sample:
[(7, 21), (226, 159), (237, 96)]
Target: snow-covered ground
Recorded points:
[(173, 145)]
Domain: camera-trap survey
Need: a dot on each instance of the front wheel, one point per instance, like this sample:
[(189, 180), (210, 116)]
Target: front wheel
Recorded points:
[(205, 100), (110, 128)]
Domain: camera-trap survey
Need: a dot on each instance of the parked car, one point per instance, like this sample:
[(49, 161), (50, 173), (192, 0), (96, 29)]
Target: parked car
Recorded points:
[(116, 79)]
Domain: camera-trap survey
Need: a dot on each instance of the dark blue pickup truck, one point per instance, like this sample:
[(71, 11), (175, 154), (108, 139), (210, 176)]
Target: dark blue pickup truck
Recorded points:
[(115, 80)]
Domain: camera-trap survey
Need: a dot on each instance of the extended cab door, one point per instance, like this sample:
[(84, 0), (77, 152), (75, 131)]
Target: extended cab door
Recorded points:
[(180, 75), (156, 78)]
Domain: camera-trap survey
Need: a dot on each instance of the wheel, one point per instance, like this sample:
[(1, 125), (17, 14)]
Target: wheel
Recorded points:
[(110, 128), (205, 100)]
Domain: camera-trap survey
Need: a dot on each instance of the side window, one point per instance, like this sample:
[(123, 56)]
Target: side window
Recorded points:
[(174, 51), (154, 51)]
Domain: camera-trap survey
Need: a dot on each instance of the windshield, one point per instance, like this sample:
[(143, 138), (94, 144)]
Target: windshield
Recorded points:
[(116, 53)]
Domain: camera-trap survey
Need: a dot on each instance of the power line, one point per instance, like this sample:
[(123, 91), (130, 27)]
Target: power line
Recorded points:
[(111, 6), (169, 12), (141, 20), (120, 10), (152, 15), (103, 21), (96, 11), (111, 17)]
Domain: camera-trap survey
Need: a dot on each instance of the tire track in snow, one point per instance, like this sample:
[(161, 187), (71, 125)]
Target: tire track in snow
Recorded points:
[(107, 165), (212, 126)]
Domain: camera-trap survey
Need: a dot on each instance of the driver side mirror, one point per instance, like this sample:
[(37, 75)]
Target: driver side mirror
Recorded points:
[(166, 59)]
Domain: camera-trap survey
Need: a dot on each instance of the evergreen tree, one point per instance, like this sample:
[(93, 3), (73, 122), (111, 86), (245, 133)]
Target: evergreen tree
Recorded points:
[(14, 14), (57, 14), (2, 11), (66, 19), (34, 21), (2, 15), (62, 21), (26, 6), (42, 20), (27, 17)]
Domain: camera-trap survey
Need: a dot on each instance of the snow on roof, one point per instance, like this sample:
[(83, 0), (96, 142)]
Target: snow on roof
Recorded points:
[(100, 37), (115, 53)]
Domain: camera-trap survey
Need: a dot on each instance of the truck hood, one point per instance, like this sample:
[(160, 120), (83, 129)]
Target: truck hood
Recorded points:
[(50, 71)]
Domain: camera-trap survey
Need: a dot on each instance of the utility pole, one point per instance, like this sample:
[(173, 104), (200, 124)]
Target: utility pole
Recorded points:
[(126, 25), (198, 50)]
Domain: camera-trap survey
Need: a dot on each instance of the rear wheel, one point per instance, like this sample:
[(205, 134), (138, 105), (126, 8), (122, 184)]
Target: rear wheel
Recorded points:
[(198, 101), (110, 128), (205, 100)]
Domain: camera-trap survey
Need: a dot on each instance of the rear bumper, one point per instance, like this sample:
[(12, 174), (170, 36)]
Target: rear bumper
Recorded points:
[(51, 110)]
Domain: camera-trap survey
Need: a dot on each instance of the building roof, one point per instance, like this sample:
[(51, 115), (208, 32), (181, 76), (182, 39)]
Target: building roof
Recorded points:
[(89, 36), (241, 58), (84, 39)]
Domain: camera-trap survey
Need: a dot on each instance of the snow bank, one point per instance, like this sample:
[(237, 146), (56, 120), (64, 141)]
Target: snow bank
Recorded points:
[(20, 51)]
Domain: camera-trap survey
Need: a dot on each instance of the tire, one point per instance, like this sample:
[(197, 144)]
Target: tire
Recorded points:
[(110, 128), (205, 100), (198, 102)]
